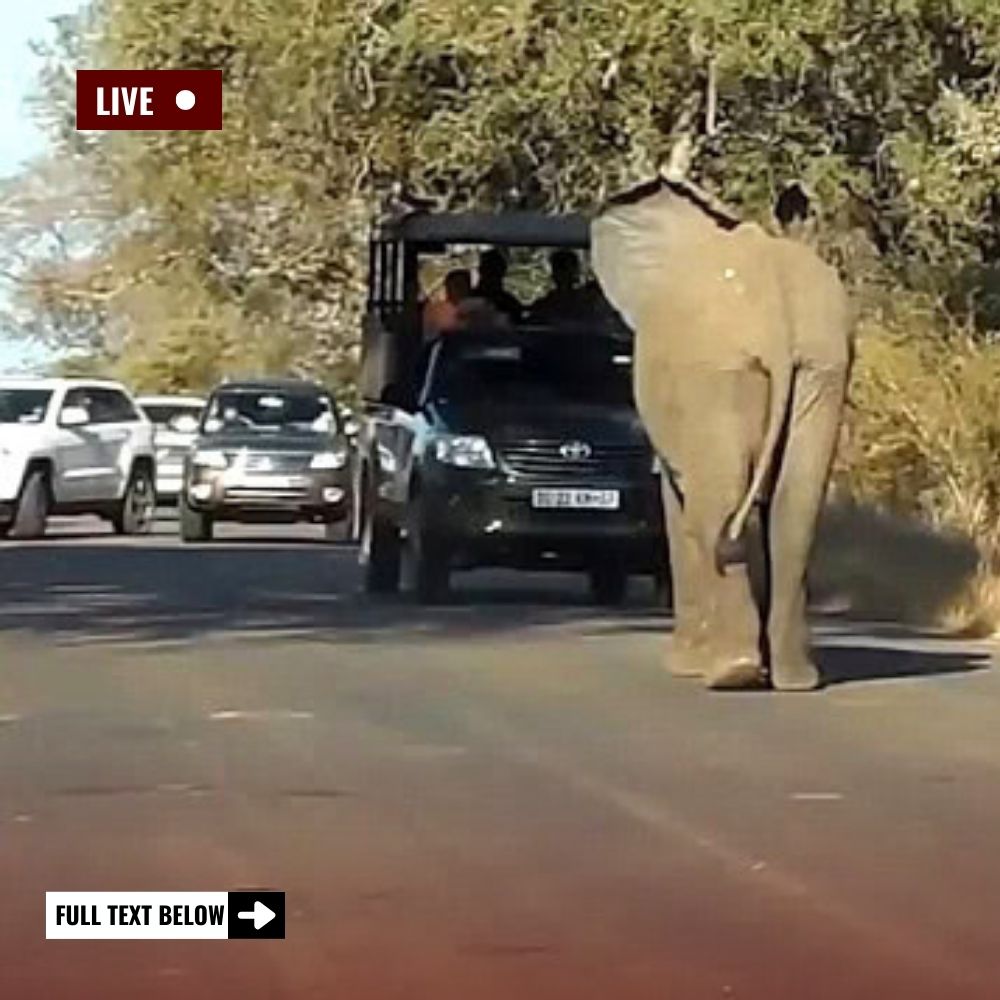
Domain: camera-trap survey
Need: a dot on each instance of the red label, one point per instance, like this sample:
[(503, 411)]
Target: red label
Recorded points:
[(149, 99)]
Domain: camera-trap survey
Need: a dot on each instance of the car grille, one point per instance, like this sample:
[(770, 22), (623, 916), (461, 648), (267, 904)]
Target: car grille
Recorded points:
[(542, 459), (276, 461)]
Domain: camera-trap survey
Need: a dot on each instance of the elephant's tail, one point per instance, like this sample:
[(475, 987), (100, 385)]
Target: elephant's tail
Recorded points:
[(730, 547)]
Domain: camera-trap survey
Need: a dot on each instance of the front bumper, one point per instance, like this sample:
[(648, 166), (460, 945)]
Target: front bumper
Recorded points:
[(316, 495), (489, 519)]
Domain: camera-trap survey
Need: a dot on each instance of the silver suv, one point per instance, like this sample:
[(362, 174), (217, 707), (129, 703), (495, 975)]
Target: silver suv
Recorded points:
[(73, 446)]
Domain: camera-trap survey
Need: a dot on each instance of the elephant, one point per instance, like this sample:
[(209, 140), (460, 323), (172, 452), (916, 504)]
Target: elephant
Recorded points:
[(743, 352)]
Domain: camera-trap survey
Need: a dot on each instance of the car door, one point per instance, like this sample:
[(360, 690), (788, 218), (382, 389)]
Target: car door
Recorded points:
[(78, 455), (115, 421), (401, 430)]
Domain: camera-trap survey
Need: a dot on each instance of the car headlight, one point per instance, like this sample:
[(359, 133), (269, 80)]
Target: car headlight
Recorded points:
[(465, 451), (209, 458), (329, 460)]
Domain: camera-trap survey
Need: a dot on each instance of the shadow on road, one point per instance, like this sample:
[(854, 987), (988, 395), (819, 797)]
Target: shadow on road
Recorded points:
[(854, 652), (850, 664), (155, 592)]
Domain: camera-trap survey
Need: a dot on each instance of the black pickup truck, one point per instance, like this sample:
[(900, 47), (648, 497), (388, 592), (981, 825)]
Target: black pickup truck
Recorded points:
[(519, 448)]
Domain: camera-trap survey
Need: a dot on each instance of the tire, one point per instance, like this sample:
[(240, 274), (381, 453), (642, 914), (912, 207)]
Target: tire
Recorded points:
[(608, 584), (194, 525), (136, 511), (427, 565), (32, 507), (381, 553)]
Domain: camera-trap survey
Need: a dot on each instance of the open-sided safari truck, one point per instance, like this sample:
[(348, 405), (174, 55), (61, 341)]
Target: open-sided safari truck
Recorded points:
[(514, 445)]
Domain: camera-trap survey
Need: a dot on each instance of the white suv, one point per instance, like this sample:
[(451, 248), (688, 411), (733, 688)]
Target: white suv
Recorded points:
[(73, 446)]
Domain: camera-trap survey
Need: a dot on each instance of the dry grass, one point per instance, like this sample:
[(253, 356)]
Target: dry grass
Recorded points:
[(881, 566), (919, 540)]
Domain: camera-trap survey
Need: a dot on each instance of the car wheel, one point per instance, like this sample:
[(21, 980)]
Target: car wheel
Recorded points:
[(136, 511), (33, 504), (381, 552), (426, 565), (194, 525), (608, 583)]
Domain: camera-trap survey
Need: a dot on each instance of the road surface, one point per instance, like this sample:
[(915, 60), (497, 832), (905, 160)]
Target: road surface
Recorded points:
[(508, 798)]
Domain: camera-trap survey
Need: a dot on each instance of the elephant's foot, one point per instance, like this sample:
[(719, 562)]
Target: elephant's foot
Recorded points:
[(797, 675), (684, 659), (737, 675)]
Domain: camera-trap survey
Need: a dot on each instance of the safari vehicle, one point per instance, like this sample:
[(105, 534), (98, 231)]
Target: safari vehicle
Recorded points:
[(520, 449), (267, 450)]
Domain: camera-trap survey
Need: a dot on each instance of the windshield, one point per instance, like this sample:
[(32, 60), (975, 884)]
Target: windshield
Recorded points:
[(162, 414), (23, 406), (596, 375), (269, 411)]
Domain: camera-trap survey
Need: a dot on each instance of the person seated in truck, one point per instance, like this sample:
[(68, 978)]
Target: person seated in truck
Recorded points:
[(492, 272), (441, 315), (461, 309), (565, 303)]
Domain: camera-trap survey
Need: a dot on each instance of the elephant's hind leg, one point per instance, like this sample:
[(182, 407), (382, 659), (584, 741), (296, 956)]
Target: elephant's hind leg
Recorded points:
[(817, 405), (722, 412), (687, 652)]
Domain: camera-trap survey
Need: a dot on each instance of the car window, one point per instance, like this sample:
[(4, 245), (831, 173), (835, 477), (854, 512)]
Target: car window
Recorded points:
[(162, 414), (79, 397), (24, 406), (110, 406), (545, 373), (270, 410)]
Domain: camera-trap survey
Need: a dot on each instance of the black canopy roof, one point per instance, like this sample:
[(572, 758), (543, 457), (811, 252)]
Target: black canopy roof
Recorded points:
[(518, 228)]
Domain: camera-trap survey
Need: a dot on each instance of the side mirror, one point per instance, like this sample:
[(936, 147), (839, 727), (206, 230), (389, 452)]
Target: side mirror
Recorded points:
[(74, 416)]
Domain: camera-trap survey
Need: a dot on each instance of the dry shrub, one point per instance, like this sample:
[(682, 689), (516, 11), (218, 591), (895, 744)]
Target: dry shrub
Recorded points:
[(920, 537), (882, 566)]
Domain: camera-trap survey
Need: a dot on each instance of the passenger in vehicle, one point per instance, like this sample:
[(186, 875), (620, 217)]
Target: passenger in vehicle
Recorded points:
[(443, 315), (492, 272), (566, 303), (461, 309)]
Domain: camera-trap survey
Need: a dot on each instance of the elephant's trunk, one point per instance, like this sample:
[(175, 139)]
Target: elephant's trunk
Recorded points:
[(730, 547)]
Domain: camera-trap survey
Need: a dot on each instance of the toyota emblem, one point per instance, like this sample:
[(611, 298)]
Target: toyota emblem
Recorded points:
[(575, 451)]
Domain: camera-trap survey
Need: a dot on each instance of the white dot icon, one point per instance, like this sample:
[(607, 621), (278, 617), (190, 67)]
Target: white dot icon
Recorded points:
[(185, 100)]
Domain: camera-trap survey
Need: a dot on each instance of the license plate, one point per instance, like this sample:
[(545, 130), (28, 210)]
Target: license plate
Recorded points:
[(575, 499)]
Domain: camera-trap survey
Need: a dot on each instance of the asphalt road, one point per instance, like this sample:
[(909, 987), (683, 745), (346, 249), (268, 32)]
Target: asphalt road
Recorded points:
[(507, 799)]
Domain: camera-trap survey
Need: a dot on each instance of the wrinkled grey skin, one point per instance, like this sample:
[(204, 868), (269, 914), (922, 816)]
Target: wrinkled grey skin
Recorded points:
[(743, 347)]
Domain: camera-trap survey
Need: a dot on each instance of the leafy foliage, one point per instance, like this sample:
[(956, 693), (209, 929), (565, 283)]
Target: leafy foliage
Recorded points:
[(887, 110)]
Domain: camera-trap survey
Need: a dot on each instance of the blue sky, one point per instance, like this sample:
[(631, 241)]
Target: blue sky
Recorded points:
[(21, 22)]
